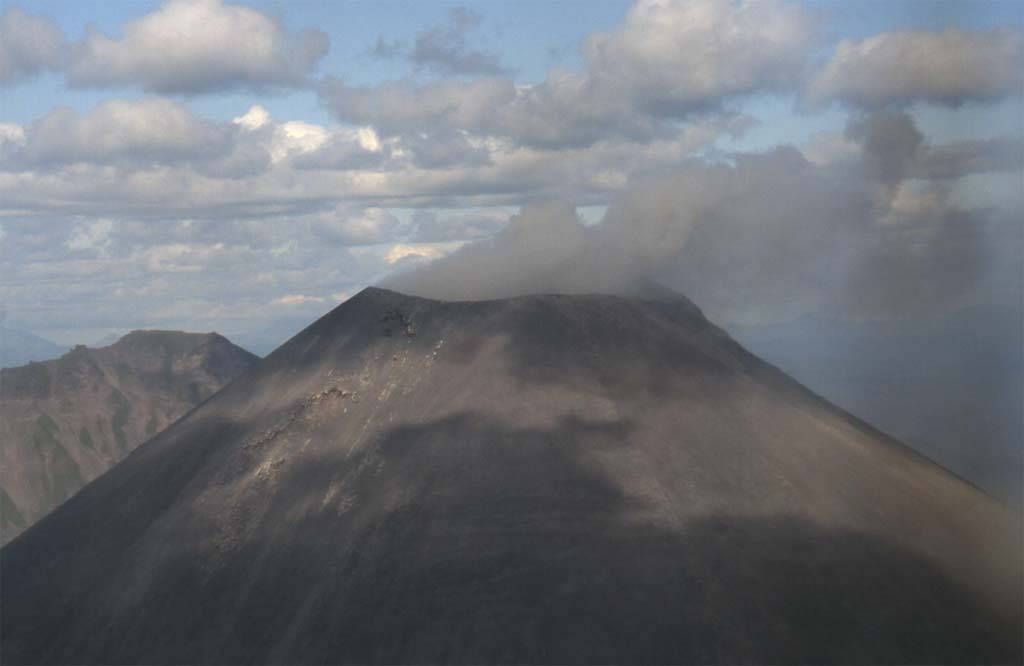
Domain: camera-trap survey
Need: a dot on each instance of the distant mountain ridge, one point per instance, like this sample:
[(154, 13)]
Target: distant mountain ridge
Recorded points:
[(19, 347), (66, 421)]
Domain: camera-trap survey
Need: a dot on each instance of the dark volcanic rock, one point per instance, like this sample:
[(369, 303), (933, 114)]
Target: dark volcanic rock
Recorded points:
[(65, 422), (547, 479)]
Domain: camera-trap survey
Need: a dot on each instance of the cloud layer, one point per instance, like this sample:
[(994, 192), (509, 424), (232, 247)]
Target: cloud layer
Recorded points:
[(143, 132), (192, 46), (445, 49), (140, 200), (767, 235), (951, 67), (668, 61), (29, 45), (185, 47)]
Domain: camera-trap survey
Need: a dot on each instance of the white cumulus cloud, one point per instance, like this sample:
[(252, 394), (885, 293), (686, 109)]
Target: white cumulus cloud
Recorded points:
[(669, 61), (140, 131), (196, 46), (901, 67)]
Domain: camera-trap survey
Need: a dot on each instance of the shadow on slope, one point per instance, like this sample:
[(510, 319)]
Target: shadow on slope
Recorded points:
[(460, 540)]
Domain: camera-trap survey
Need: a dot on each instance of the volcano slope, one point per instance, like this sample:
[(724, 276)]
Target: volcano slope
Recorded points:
[(546, 479)]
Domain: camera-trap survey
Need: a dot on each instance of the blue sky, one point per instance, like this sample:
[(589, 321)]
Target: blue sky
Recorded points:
[(247, 170)]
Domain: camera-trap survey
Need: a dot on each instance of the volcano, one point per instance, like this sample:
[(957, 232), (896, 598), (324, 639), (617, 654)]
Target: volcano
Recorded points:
[(544, 479)]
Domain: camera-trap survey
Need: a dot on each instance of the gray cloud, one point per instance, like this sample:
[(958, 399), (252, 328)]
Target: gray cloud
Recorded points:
[(29, 45), (444, 49), (388, 49), (764, 236), (341, 153), (890, 143), (910, 270), (246, 158), (674, 56), (258, 167), (535, 253), (898, 68), (114, 213), (196, 46), (563, 112), (961, 158), (128, 132), (235, 276), (347, 226), (445, 149), (431, 227), (670, 60), (404, 107), (732, 213)]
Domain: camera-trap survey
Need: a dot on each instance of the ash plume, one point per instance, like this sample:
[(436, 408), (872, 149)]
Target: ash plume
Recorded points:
[(759, 236)]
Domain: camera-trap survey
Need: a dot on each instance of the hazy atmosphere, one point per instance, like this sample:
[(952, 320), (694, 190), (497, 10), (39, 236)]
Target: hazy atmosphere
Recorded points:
[(859, 161), (650, 331)]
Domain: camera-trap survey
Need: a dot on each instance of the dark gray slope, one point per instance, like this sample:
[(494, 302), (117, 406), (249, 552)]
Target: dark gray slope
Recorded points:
[(544, 479)]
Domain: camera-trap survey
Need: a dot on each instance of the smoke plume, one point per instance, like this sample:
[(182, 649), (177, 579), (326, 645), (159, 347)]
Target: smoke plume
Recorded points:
[(759, 236)]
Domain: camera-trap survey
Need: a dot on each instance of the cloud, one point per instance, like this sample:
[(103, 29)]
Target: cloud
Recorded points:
[(73, 272), (156, 159), (889, 144), (404, 107), (403, 253), (114, 212), (673, 56), (670, 60), (444, 49), (824, 148), (760, 237), (388, 49), (528, 256), (750, 237), (29, 45), (954, 160), (298, 299), (92, 236), (343, 149), (430, 227), (198, 46), (350, 226), (116, 131), (445, 149), (898, 68), (766, 201), (340, 153)]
